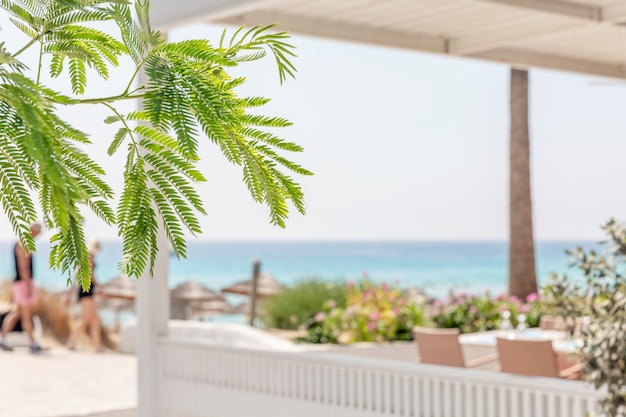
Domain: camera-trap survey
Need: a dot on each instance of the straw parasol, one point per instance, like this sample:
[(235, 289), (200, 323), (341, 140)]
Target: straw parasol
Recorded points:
[(191, 297), (266, 286), (119, 287), (192, 290), (211, 308), (260, 285)]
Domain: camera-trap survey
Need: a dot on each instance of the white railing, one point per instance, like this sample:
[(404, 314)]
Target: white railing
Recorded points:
[(199, 378)]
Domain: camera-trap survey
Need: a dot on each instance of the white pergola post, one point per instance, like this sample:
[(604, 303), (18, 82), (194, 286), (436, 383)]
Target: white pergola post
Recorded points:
[(153, 313)]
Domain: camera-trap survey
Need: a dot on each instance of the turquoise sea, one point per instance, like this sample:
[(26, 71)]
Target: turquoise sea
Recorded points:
[(434, 267)]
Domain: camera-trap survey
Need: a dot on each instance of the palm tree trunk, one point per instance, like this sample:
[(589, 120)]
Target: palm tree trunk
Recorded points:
[(522, 275)]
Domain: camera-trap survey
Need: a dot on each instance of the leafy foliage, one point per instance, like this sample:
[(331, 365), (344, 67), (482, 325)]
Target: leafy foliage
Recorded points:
[(603, 302), (295, 307), (188, 93)]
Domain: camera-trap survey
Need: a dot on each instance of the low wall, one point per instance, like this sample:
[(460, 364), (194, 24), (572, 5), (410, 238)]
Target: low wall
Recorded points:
[(202, 378)]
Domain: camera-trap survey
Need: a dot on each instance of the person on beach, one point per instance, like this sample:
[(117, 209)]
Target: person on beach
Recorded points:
[(24, 294), (89, 317)]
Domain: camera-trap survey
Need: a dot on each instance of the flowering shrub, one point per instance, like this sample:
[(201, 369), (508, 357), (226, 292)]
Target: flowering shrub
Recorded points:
[(474, 313), (295, 307), (372, 313)]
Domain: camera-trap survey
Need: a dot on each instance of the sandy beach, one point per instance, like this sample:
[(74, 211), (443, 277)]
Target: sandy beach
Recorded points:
[(62, 383)]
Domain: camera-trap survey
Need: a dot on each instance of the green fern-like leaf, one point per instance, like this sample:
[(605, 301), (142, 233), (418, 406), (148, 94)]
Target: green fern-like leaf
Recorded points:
[(44, 164)]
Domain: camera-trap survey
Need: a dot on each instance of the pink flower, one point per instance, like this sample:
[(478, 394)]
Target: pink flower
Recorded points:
[(350, 283), (473, 310), (332, 304), (384, 286), (371, 326), (532, 297), (375, 316), (320, 316)]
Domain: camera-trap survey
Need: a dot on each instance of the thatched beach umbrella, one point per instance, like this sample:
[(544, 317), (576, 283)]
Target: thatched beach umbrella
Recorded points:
[(266, 286), (119, 287), (260, 285), (211, 308), (194, 291), (241, 308), (191, 297)]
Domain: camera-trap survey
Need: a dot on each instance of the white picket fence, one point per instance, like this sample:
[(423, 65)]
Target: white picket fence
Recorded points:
[(200, 378)]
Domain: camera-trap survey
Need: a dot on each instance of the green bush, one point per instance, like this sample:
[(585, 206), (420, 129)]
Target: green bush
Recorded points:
[(475, 313), (296, 307), (372, 313), (601, 299)]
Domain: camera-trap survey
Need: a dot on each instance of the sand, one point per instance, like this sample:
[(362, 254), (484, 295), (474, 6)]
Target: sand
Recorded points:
[(62, 383)]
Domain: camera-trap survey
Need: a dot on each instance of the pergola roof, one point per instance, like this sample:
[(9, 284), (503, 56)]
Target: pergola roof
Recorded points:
[(586, 36)]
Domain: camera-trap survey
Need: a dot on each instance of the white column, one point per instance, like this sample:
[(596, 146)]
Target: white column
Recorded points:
[(153, 311)]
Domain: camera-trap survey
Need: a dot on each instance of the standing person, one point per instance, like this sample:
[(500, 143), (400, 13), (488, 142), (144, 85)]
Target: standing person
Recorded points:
[(24, 294), (90, 313)]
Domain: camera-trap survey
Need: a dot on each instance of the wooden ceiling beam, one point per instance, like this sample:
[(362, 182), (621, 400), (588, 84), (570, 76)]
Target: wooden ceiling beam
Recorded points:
[(526, 59), (342, 31), (557, 7)]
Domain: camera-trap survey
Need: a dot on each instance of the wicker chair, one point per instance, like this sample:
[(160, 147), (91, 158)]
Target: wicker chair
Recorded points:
[(535, 358), (442, 347)]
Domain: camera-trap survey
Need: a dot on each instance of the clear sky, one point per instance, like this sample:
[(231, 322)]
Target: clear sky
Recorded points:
[(406, 145)]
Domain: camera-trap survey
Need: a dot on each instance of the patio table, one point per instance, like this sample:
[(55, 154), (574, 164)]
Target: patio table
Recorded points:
[(560, 340)]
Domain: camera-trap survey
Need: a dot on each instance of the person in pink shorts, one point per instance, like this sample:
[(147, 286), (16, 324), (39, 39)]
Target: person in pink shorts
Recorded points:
[(24, 294)]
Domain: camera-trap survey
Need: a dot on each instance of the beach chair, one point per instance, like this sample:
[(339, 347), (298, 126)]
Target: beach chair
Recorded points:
[(535, 358), (442, 347)]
